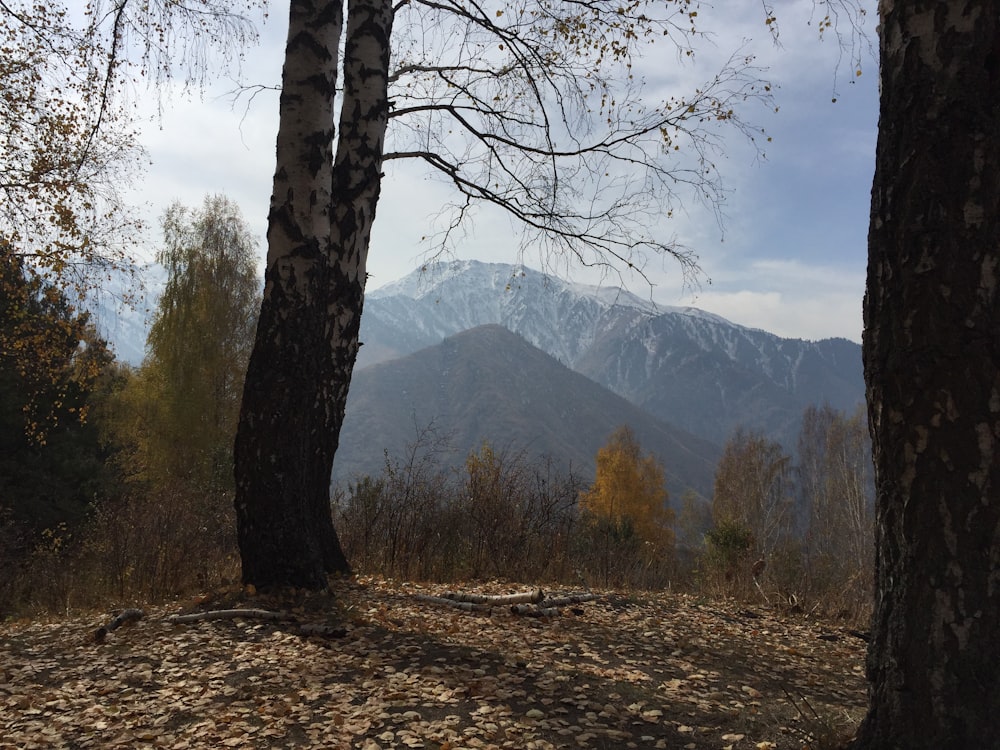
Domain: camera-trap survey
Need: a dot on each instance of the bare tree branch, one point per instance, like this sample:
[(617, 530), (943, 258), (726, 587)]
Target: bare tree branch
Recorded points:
[(537, 112)]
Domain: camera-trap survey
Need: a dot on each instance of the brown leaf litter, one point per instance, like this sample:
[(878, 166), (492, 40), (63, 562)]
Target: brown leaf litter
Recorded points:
[(649, 670)]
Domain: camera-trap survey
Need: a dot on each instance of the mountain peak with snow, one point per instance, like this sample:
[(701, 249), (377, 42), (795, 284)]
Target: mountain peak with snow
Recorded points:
[(450, 277), (685, 365)]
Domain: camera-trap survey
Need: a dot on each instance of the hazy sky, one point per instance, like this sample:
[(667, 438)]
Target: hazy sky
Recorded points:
[(790, 257)]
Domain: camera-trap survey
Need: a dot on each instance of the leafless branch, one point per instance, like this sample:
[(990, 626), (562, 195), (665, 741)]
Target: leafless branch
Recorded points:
[(537, 111)]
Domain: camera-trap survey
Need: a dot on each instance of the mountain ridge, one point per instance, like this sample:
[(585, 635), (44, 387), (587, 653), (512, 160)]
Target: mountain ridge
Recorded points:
[(691, 368), (688, 368), (489, 384)]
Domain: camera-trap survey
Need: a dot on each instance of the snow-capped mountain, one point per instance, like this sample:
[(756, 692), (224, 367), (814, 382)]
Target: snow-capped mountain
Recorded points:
[(561, 318), (691, 368), (123, 309)]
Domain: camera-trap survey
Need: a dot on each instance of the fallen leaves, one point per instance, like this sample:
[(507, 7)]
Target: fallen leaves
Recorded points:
[(652, 671)]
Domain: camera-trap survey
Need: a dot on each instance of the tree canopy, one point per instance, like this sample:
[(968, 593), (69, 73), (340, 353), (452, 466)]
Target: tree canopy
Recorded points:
[(536, 108), (629, 489), (67, 131), (184, 399), (751, 490), (51, 365)]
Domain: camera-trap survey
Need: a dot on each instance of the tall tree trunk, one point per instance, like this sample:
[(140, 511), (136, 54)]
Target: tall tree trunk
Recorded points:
[(307, 338), (932, 367)]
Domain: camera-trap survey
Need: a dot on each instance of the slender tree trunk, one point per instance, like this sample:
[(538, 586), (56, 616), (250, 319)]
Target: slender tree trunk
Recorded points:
[(307, 338), (932, 365)]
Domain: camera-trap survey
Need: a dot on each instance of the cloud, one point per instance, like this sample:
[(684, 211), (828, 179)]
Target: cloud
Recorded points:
[(789, 298), (825, 314), (792, 260)]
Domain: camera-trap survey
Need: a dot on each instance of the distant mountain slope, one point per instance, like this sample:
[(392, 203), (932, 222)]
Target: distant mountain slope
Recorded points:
[(489, 384), (691, 368), (710, 377)]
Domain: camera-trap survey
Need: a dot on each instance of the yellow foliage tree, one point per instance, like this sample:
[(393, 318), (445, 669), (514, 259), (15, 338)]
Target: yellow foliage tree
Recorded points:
[(180, 409), (629, 491), (175, 418)]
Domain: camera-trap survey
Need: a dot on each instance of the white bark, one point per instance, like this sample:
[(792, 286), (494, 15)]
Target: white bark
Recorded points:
[(533, 596), (300, 201), (227, 614)]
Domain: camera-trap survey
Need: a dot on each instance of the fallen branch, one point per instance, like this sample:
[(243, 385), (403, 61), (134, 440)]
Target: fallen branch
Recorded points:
[(528, 603), (533, 610), (464, 606), (562, 601), (303, 629), (124, 617), (534, 596), (550, 607), (227, 614)]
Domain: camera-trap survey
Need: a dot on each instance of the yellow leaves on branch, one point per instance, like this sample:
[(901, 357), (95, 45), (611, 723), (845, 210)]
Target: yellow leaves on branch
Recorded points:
[(66, 145), (49, 352), (629, 490)]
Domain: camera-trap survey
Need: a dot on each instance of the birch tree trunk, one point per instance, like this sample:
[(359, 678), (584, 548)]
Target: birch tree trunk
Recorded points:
[(932, 367), (307, 338)]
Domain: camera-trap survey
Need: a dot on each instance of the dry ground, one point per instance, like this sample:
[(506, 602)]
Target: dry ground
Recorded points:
[(642, 670)]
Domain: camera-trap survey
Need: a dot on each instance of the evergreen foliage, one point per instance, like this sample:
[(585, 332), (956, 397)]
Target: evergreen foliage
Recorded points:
[(53, 368)]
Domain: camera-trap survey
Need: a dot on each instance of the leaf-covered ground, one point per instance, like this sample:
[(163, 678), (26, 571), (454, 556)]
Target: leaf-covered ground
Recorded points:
[(623, 671)]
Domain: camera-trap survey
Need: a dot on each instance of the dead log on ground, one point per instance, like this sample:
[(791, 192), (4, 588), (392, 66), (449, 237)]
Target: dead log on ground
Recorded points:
[(464, 606), (551, 606), (562, 601), (227, 614), (533, 610), (528, 603), (124, 617), (534, 596)]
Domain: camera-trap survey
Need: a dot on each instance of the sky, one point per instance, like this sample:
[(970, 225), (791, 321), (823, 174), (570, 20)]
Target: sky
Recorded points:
[(789, 256)]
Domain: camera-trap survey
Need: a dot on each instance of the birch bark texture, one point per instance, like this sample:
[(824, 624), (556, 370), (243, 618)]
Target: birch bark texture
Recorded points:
[(932, 368), (320, 219)]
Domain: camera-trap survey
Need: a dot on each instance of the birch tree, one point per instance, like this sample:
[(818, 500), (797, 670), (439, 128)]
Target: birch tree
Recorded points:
[(630, 487), (932, 367), (752, 491), (530, 107), (198, 345)]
